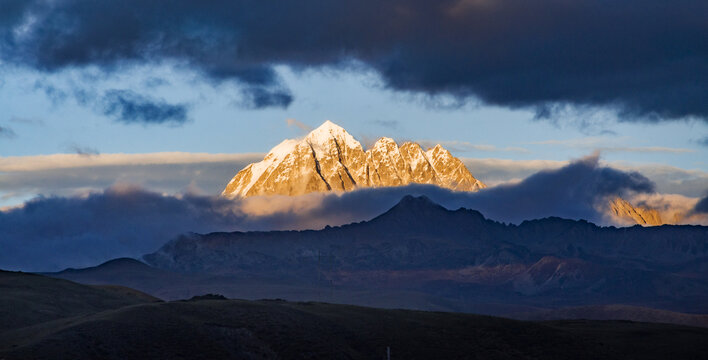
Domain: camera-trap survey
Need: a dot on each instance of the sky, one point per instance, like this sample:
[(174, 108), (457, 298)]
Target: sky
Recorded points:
[(44, 123), (120, 119), (550, 81)]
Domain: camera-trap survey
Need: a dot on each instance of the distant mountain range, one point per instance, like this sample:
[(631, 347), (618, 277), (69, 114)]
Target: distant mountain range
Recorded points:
[(330, 159), (459, 255)]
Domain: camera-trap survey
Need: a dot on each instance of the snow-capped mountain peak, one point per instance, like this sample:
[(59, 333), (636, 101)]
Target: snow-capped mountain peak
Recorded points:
[(328, 131), (330, 159)]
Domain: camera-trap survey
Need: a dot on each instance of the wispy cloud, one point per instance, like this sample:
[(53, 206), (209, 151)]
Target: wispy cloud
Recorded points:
[(670, 179), (66, 161), (27, 121), (391, 124), (69, 174), (464, 146), (607, 145), (703, 141), (83, 150), (298, 124), (130, 107), (7, 132), (646, 149), (503, 171), (672, 208), (588, 141)]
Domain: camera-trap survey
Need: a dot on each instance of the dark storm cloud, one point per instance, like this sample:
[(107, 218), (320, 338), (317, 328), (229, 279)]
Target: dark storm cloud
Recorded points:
[(130, 107), (49, 233), (11, 11), (647, 59)]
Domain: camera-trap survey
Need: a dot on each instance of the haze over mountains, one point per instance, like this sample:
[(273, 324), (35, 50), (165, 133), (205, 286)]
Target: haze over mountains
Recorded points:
[(330, 159)]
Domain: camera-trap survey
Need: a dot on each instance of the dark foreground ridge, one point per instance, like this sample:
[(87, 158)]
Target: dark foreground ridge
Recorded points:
[(27, 299), (270, 329)]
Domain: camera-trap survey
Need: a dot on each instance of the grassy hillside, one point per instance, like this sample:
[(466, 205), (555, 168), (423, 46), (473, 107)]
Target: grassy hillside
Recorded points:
[(616, 312), (220, 329), (46, 318), (27, 299)]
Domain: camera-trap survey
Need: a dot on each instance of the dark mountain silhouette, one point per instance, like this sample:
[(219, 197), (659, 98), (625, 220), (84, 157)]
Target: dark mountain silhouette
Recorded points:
[(115, 271), (459, 255), (211, 327)]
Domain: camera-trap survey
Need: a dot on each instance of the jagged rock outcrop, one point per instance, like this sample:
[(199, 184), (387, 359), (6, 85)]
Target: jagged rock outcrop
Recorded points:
[(624, 212), (329, 158)]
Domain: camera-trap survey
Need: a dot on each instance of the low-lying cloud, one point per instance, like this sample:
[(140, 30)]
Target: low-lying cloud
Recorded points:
[(673, 208), (668, 179), (50, 233), (701, 206), (23, 177), (645, 59), (71, 174), (574, 191)]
